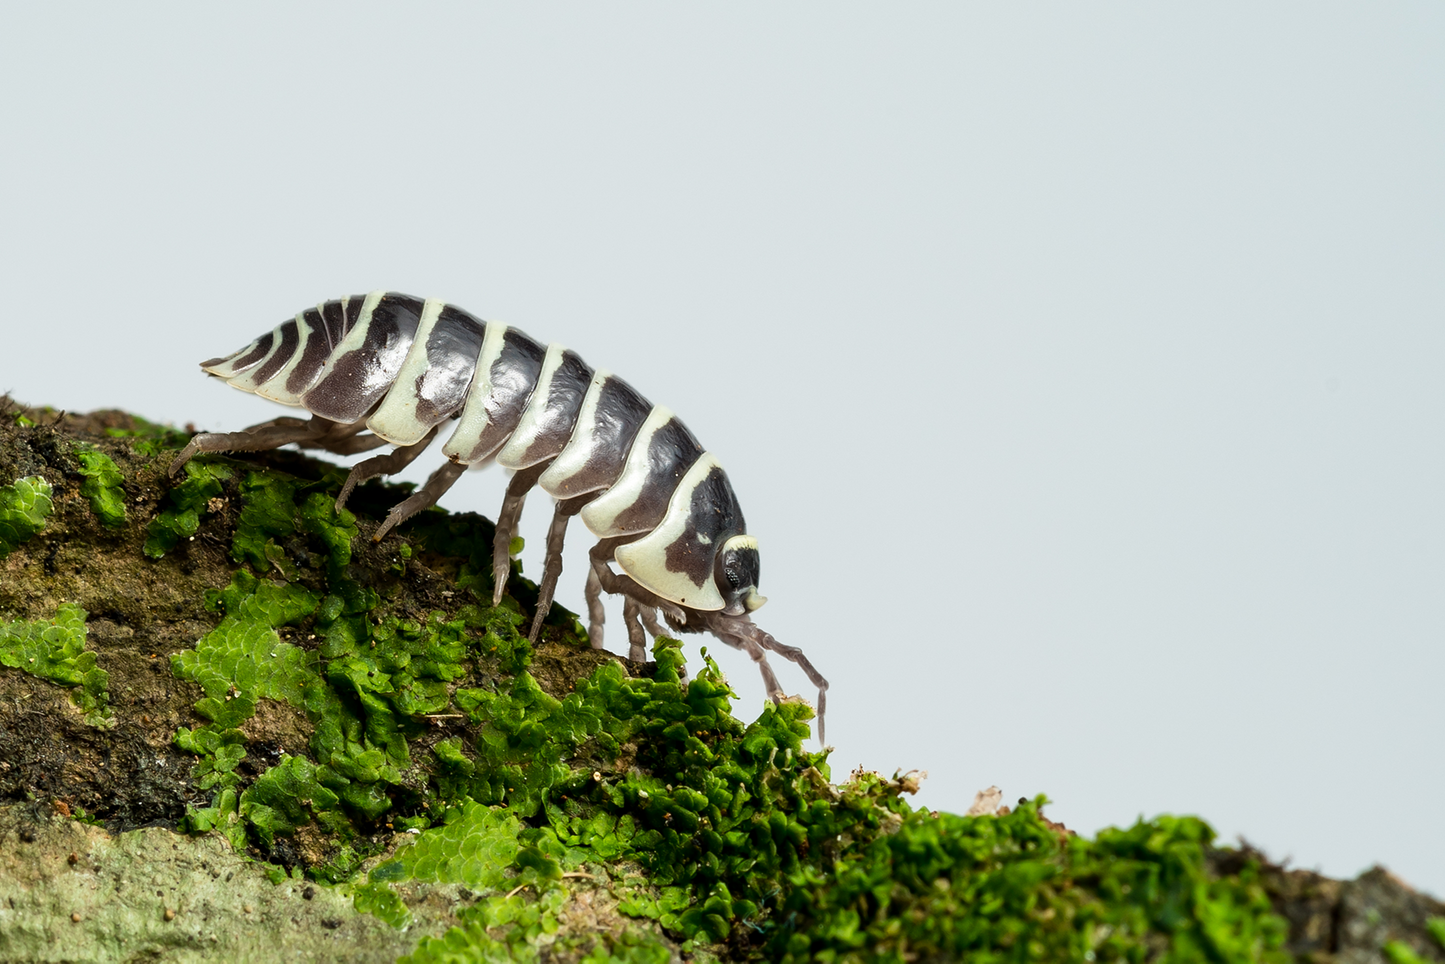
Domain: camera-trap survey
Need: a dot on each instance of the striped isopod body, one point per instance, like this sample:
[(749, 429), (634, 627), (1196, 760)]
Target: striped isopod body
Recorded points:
[(389, 368)]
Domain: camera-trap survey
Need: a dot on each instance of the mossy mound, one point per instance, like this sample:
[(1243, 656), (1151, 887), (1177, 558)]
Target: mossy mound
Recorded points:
[(356, 718)]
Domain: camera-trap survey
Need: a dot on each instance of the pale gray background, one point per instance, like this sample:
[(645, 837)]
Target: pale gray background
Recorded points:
[(1079, 370)]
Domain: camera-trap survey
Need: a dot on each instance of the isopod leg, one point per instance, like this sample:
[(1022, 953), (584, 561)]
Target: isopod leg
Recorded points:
[(754, 649), (741, 631), (649, 619), (625, 585), (389, 464), (424, 498), (552, 567), (637, 649), (507, 520), (596, 612), (267, 435), (313, 433), (345, 440)]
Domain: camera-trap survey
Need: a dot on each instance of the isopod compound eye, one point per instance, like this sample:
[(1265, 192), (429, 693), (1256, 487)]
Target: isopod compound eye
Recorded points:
[(389, 368)]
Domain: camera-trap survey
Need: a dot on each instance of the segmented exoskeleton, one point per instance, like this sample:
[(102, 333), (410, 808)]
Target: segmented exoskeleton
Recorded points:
[(389, 368)]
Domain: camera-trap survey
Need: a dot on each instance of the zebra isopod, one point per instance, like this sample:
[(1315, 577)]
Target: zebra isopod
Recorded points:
[(387, 368)]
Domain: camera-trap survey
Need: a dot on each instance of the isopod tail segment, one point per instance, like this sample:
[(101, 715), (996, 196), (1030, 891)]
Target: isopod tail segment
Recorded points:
[(387, 368)]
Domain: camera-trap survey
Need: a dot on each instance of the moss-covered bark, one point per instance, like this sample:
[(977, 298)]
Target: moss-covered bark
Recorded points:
[(233, 727)]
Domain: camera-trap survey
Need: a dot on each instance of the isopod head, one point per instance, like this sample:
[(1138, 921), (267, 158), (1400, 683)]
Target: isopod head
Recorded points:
[(736, 574)]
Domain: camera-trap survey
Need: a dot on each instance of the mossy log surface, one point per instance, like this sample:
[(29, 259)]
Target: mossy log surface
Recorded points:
[(232, 727)]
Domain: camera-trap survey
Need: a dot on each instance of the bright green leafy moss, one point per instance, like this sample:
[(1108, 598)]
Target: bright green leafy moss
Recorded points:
[(102, 486), (24, 507), (55, 650), (1401, 953), (366, 688), (474, 849), (151, 439), (244, 655), (513, 928), (1011, 888), (499, 929), (241, 661), (271, 515), (268, 514), (747, 845), (285, 798), (181, 516)]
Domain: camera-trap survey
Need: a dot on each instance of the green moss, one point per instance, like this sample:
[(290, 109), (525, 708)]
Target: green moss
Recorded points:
[(747, 846), (151, 438), (24, 507), (1012, 889), (102, 486), (366, 688), (241, 661), (284, 798), (55, 650), (474, 848), (181, 515), (1401, 953), (513, 928)]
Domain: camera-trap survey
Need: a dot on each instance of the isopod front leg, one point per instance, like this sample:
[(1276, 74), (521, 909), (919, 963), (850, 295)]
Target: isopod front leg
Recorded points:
[(611, 582), (749, 636), (755, 649), (552, 567), (389, 464), (596, 612), (257, 438), (649, 619), (507, 519), (424, 498), (637, 648)]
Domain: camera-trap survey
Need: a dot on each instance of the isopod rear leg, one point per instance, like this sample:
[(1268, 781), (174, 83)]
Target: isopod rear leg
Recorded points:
[(342, 438), (257, 438), (349, 445), (507, 519), (424, 498), (596, 612), (389, 464), (552, 567)]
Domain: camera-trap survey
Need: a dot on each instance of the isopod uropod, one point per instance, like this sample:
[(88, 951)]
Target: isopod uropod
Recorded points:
[(389, 368)]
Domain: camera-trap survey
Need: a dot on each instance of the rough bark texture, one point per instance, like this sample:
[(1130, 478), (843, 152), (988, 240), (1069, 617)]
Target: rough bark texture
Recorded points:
[(118, 841)]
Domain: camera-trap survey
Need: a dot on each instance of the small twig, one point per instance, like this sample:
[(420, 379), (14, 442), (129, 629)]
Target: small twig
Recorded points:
[(521, 887)]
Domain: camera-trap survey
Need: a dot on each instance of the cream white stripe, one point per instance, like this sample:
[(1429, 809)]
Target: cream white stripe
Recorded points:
[(475, 415), (515, 450), (275, 389), (357, 336), (646, 559), (395, 420), (246, 381), (574, 457), (227, 368), (600, 515)]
